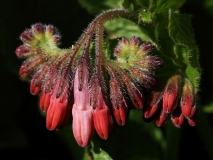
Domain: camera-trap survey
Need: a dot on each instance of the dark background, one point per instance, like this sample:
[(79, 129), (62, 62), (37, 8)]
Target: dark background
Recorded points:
[(23, 134)]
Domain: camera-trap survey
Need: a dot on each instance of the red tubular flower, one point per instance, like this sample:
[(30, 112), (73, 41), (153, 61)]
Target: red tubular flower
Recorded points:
[(121, 112), (44, 101), (58, 108), (180, 110), (118, 102), (153, 103), (171, 93), (187, 100), (117, 97), (161, 119), (177, 117), (103, 121), (82, 112), (34, 88)]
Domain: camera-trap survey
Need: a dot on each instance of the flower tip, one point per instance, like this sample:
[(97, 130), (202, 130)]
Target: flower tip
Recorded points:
[(135, 41), (38, 28), (22, 71), (120, 114), (178, 121), (187, 107), (170, 96), (103, 122), (82, 125), (146, 47), (50, 29), (152, 104), (192, 121), (150, 110), (34, 89), (44, 101), (162, 118), (27, 37), (56, 113), (21, 50)]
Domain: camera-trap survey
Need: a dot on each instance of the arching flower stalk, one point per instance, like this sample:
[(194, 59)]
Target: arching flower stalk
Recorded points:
[(71, 87)]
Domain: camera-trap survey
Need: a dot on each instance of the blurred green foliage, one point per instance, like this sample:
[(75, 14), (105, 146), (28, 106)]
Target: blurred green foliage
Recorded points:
[(22, 128)]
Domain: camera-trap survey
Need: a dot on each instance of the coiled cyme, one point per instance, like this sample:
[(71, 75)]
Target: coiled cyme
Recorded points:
[(70, 87)]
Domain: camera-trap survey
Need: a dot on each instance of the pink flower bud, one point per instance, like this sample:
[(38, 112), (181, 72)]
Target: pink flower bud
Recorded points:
[(171, 93), (122, 43), (25, 51), (146, 48), (82, 125), (144, 51), (103, 121), (51, 30), (82, 112), (38, 28), (52, 35), (150, 62), (28, 37), (135, 41), (153, 103), (187, 100)]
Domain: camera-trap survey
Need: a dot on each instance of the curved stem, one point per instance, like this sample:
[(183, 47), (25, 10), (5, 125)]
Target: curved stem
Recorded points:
[(100, 20)]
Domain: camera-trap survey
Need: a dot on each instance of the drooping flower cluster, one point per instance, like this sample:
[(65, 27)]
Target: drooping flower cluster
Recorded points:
[(68, 88), (176, 101), (71, 86)]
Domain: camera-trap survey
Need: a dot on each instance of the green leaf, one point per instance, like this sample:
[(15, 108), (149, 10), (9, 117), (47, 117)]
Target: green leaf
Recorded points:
[(124, 28), (159, 6), (180, 29), (193, 75), (98, 153), (185, 49)]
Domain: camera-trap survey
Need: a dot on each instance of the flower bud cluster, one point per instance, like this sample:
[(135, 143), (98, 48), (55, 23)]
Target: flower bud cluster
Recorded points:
[(176, 101), (70, 87), (50, 73)]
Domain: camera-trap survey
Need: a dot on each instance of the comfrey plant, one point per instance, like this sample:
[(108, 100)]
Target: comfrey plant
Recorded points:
[(96, 86)]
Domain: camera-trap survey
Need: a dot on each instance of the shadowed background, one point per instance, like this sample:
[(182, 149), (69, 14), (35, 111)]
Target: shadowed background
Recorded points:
[(23, 134)]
